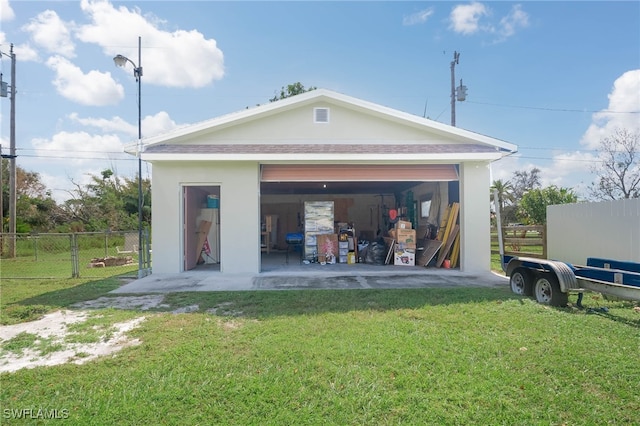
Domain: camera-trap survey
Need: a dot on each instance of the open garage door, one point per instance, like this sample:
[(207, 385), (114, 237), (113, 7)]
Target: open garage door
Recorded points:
[(363, 195), (350, 179), (358, 173)]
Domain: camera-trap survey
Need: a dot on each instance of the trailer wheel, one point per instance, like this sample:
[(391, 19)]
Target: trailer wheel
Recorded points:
[(547, 291), (521, 282)]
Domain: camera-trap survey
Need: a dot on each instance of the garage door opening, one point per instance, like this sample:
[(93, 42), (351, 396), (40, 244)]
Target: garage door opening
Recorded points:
[(368, 200)]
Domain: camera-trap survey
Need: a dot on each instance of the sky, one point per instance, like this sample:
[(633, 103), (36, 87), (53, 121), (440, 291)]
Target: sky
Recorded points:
[(551, 77)]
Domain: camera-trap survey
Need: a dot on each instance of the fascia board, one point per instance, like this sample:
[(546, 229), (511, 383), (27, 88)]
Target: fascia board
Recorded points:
[(336, 158)]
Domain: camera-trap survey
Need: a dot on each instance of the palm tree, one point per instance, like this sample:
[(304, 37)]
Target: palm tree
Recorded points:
[(505, 194)]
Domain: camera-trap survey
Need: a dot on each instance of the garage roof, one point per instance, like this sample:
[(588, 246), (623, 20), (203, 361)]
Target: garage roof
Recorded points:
[(182, 143)]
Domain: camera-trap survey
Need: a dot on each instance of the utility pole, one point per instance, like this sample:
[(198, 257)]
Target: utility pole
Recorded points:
[(456, 60), (459, 93), (12, 155)]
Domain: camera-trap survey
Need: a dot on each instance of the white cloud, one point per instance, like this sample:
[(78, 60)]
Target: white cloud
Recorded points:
[(516, 19), (94, 88), (51, 33), (623, 100), (418, 17), (79, 147), (177, 59), (568, 169), (113, 125), (465, 18), (156, 124), (24, 52), (151, 125), (6, 12)]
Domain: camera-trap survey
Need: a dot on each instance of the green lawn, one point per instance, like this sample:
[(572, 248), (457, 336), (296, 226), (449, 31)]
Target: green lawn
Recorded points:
[(420, 356)]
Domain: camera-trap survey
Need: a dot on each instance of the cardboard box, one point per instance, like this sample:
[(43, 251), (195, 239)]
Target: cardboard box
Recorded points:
[(406, 238), (404, 257), (403, 224)]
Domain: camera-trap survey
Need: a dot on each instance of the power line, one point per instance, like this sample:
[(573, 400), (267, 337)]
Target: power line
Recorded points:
[(554, 109), (67, 157), (577, 160)]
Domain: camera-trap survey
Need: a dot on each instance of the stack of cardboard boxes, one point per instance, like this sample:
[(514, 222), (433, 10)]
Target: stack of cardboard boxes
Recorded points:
[(404, 252)]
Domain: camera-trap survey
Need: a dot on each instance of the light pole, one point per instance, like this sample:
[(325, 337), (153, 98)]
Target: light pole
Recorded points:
[(121, 61)]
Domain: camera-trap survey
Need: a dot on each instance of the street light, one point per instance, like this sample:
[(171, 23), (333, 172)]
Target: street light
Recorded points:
[(121, 61)]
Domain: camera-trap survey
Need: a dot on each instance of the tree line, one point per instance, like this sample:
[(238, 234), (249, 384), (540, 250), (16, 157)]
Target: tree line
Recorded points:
[(107, 202)]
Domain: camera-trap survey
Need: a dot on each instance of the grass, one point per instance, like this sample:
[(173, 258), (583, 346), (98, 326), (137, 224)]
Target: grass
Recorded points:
[(28, 300), (419, 356), (37, 344)]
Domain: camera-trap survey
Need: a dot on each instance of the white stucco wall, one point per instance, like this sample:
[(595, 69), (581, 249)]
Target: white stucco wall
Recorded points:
[(239, 213), (475, 253), (345, 126)]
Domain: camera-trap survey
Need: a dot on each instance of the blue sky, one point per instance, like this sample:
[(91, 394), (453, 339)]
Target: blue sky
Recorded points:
[(551, 77)]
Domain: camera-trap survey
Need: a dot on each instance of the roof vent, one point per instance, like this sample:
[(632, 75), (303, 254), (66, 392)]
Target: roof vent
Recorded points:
[(321, 115)]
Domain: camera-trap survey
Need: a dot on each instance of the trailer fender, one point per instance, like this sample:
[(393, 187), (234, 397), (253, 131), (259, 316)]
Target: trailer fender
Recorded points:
[(562, 271)]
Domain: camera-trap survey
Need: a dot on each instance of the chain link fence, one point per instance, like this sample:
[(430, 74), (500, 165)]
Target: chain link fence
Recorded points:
[(75, 255)]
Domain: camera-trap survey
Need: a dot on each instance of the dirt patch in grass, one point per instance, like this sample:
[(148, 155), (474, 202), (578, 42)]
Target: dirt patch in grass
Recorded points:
[(143, 303), (49, 345)]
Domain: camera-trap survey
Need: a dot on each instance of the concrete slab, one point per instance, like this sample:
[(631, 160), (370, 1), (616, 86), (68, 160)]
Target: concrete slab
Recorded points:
[(313, 276)]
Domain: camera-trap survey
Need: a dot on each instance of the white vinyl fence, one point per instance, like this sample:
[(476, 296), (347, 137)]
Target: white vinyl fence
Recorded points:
[(609, 229)]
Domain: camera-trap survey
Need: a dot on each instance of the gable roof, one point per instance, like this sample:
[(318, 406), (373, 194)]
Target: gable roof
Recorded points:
[(475, 145)]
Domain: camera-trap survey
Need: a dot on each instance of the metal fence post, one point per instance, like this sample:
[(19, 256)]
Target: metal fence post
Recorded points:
[(35, 245), (75, 267), (146, 256)]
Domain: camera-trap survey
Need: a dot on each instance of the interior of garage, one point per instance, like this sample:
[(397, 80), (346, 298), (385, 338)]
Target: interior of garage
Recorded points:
[(366, 212)]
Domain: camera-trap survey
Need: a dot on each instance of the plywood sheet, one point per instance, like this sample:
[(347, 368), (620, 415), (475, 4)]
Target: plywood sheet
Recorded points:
[(431, 247)]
